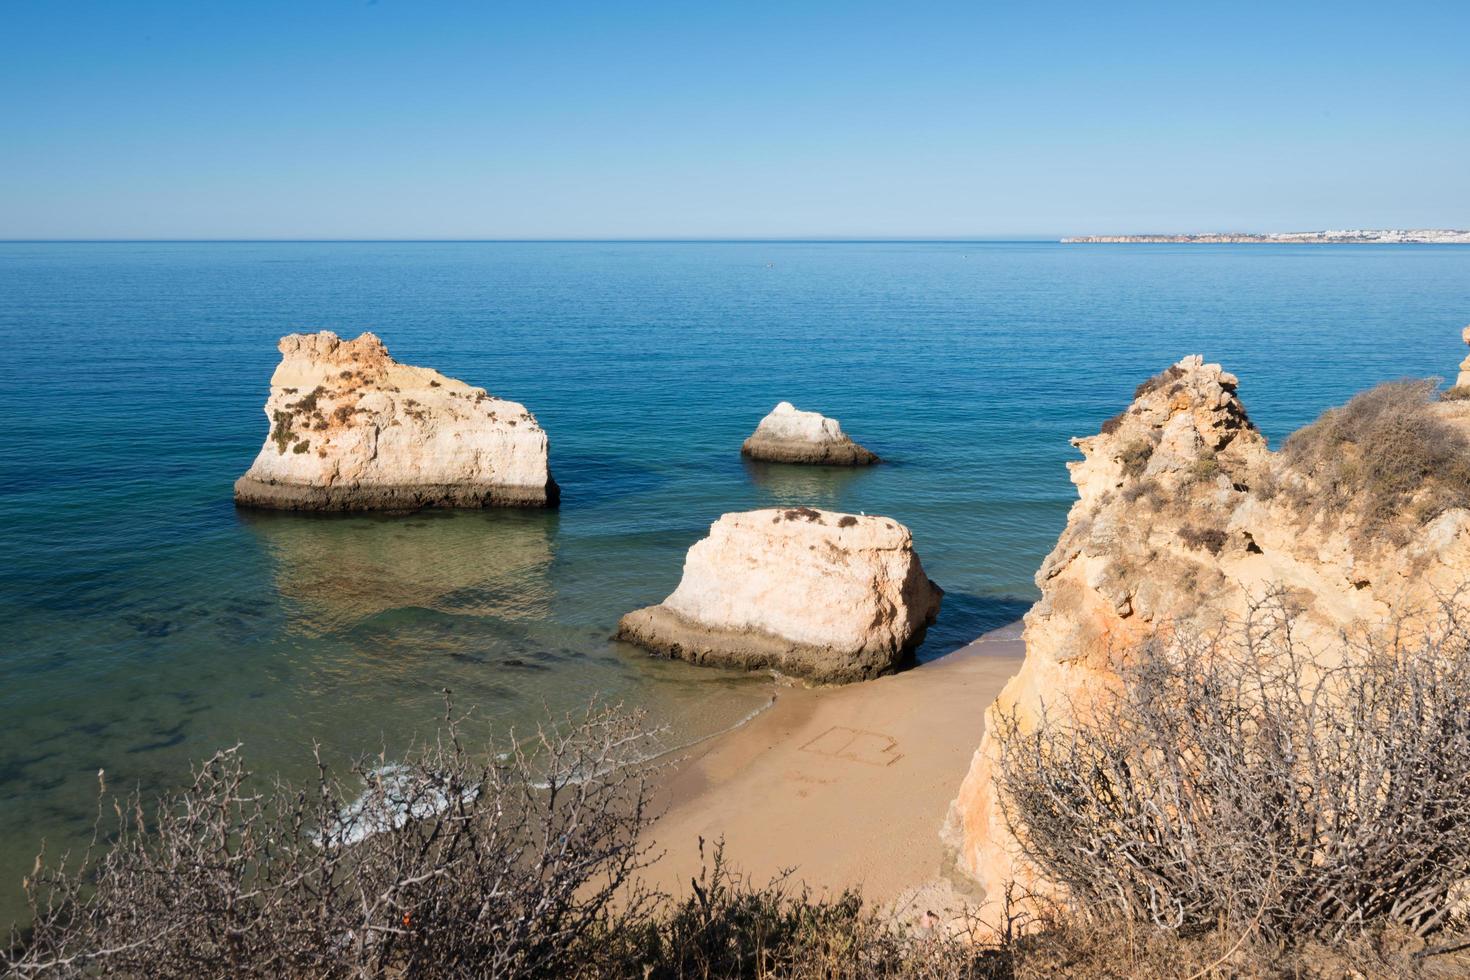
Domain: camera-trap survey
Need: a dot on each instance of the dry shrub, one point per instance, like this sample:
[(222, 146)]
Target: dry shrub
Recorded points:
[(522, 866), (1211, 539), (1384, 455), (1135, 456), (1264, 482), (1238, 782), (1457, 393), (1101, 950), (1145, 489), (502, 863), (1166, 376), (1204, 469), (729, 927)]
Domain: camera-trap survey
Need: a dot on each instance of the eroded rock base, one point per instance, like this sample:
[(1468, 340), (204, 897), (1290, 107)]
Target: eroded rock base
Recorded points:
[(250, 492), (663, 631), (817, 453)]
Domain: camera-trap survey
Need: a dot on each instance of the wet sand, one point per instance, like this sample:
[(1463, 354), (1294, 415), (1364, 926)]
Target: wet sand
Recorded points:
[(847, 785)]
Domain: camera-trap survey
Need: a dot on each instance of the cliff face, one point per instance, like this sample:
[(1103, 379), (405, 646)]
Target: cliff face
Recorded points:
[(1184, 515), (815, 594), (352, 429)]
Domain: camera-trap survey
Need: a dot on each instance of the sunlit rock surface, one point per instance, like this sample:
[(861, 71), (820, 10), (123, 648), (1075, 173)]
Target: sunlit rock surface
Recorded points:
[(352, 429), (789, 435), (820, 595)]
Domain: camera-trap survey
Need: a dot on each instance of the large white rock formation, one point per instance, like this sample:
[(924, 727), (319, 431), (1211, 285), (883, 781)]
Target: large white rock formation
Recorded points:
[(352, 429), (789, 435), (825, 596)]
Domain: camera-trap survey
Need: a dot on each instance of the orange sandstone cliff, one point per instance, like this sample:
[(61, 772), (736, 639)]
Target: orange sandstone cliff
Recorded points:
[(1185, 515)]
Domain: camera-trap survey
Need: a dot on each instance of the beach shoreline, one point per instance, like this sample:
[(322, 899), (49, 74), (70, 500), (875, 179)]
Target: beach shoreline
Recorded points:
[(844, 786)]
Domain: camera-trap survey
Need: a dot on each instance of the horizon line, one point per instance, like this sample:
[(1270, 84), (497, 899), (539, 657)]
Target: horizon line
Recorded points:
[(525, 241)]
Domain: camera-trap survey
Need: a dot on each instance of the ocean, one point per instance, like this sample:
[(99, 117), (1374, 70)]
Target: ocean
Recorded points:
[(147, 622)]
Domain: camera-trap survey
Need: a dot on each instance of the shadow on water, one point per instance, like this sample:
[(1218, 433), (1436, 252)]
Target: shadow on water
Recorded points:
[(589, 479), (964, 617)]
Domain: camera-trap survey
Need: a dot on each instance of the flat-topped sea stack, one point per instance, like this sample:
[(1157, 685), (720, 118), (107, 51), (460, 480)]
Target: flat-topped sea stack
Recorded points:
[(789, 435), (352, 429), (828, 597)]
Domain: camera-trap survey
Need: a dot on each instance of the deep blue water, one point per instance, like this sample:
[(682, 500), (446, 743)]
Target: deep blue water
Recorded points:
[(146, 622)]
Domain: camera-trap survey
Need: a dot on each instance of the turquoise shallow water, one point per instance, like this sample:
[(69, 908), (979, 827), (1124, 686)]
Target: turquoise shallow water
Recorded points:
[(146, 622)]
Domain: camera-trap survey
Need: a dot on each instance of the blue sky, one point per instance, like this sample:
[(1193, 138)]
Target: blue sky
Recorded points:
[(902, 119)]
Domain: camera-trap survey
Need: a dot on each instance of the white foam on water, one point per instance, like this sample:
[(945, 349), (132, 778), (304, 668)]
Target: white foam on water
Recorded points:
[(401, 794)]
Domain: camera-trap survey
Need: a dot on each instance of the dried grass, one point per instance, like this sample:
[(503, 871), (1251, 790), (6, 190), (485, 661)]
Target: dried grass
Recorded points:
[(1386, 457)]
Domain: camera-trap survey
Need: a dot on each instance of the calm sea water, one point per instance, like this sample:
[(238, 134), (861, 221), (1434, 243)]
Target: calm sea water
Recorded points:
[(147, 622)]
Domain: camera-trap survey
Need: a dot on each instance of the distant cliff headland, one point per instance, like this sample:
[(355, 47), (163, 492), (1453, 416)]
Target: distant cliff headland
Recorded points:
[(1353, 236)]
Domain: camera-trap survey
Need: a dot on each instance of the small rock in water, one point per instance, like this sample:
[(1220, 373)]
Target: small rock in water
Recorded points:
[(789, 435)]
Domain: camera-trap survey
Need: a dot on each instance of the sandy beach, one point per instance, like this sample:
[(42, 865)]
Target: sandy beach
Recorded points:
[(847, 785)]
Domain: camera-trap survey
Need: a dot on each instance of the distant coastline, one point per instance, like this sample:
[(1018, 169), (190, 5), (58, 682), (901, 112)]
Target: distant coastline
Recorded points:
[(1355, 236)]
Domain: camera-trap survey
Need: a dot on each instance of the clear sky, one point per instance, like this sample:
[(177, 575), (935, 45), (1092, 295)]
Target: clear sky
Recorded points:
[(544, 119)]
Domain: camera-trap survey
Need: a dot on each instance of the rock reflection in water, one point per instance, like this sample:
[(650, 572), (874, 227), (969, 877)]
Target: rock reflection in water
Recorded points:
[(337, 571), (791, 483)]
